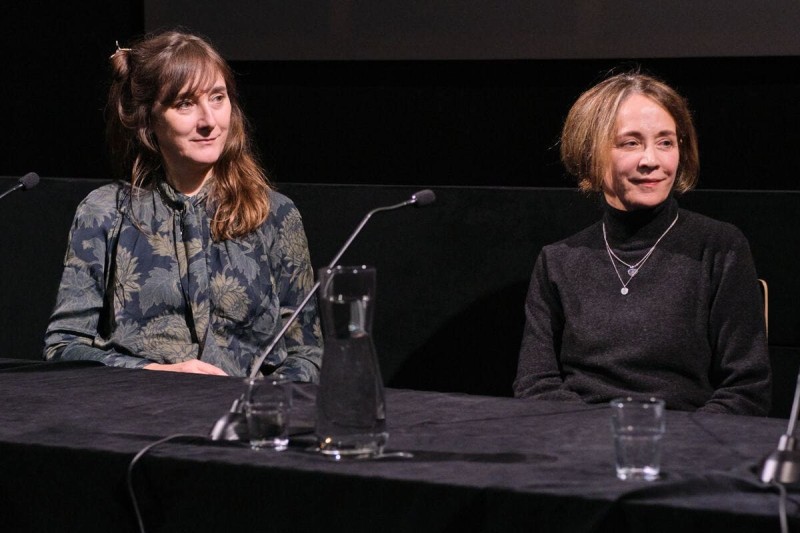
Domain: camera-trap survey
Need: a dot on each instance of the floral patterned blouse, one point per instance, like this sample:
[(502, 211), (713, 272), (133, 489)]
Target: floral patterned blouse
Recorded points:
[(144, 282)]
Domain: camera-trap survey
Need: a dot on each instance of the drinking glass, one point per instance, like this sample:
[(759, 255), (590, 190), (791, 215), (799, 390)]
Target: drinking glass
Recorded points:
[(267, 408), (638, 426)]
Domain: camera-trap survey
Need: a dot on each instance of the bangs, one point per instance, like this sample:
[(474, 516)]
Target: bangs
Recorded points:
[(189, 72)]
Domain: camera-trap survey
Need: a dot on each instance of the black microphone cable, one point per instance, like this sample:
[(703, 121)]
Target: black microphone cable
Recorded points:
[(136, 458), (782, 515)]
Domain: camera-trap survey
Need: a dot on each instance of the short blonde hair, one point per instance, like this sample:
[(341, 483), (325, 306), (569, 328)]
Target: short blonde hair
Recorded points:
[(590, 127)]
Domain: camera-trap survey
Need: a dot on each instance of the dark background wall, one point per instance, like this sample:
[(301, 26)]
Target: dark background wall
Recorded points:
[(451, 278), (412, 92), (433, 93)]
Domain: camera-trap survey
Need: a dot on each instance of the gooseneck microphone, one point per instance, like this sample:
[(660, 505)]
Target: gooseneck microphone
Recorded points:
[(231, 424), (419, 199), (783, 465), (28, 181)]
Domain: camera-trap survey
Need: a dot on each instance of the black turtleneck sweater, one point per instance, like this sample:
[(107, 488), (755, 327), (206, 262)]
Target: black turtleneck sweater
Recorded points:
[(690, 329)]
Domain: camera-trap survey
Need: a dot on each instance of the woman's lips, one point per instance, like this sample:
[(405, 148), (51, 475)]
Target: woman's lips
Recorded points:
[(645, 181)]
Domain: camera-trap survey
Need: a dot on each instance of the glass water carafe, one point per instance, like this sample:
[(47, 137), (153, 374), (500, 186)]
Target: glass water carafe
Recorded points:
[(351, 413)]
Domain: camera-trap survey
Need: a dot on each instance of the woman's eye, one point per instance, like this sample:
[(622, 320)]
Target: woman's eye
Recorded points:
[(183, 104)]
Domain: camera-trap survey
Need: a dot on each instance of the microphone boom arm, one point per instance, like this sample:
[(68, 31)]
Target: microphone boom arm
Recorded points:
[(12, 189), (288, 322), (231, 425)]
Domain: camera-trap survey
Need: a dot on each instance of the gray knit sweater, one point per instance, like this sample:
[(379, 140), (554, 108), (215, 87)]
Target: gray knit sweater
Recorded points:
[(690, 330)]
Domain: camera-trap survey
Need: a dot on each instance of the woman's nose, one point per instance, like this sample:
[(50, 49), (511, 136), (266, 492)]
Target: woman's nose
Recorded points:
[(206, 120), (648, 158)]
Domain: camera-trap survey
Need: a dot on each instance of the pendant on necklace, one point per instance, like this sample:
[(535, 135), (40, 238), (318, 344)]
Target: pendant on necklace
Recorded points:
[(632, 271), (624, 290)]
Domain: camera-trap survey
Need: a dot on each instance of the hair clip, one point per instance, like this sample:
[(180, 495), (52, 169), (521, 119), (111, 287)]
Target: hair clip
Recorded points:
[(119, 49)]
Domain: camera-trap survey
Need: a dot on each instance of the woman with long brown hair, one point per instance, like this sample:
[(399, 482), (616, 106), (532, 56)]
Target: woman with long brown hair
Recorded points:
[(191, 262)]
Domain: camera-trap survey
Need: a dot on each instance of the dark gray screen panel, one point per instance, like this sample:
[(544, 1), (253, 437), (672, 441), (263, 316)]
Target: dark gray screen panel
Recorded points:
[(480, 29)]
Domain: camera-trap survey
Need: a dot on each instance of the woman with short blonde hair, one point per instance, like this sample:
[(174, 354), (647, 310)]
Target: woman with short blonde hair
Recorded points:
[(590, 126), (652, 300)]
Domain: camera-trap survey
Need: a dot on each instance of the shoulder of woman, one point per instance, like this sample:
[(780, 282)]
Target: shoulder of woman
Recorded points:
[(106, 196), (282, 210), (588, 236), (711, 227), (279, 201), (283, 215), (101, 208)]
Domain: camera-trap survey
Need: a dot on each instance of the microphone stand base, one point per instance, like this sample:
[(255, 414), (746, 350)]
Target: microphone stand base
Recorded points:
[(782, 466), (232, 426)]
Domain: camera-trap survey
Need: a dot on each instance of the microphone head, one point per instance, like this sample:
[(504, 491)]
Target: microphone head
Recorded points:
[(423, 197), (29, 180)]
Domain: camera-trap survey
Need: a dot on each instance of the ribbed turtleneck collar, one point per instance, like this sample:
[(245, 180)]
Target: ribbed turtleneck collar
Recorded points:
[(642, 227)]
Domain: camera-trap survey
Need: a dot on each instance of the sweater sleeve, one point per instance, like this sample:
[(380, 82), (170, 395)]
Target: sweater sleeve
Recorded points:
[(295, 279), (76, 316), (539, 373), (740, 368)]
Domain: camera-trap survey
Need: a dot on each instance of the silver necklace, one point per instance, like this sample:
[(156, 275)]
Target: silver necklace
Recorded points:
[(637, 266)]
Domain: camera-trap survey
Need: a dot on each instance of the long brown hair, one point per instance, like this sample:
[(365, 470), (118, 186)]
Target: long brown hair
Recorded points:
[(156, 70), (589, 129)]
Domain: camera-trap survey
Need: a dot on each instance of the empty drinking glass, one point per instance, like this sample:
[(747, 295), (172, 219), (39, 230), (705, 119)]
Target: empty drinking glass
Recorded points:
[(638, 426), (267, 407)]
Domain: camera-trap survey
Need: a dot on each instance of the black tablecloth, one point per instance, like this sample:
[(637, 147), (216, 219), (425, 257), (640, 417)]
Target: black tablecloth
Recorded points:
[(68, 433)]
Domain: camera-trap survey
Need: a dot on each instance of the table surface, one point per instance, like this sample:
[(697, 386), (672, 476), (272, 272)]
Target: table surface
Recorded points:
[(69, 431)]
